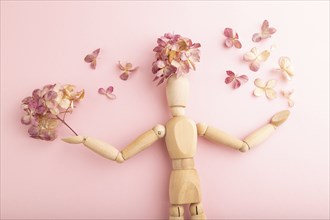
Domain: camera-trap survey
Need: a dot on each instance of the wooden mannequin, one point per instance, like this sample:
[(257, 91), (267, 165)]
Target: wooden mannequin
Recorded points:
[(180, 135)]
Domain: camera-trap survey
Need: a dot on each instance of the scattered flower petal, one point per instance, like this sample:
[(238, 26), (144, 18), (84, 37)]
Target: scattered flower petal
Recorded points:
[(91, 58), (266, 32), (235, 80), (255, 58), (127, 70), (232, 38), (286, 67), (287, 95), (107, 92), (265, 88), (174, 55)]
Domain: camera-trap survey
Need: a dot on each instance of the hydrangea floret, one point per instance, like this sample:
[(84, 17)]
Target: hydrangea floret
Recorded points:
[(47, 107), (175, 55)]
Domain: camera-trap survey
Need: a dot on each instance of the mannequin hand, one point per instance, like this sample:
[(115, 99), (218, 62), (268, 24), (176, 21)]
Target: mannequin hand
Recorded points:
[(74, 140)]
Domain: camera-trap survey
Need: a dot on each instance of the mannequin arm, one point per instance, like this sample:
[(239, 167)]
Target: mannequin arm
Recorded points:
[(250, 141), (110, 152)]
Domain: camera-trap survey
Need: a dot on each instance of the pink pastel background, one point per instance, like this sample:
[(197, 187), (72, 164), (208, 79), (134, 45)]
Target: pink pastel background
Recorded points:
[(287, 177)]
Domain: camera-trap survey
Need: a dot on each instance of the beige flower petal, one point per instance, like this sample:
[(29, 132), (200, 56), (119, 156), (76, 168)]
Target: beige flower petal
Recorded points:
[(249, 56), (270, 93), (264, 55), (271, 83), (284, 62), (258, 92), (259, 83)]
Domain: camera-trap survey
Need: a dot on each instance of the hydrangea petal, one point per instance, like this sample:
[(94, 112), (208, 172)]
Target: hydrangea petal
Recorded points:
[(124, 76), (237, 44), (263, 56), (228, 42), (258, 92), (26, 119), (270, 93), (109, 89), (228, 32), (259, 83), (255, 65), (236, 84), (249, 56), (229, 79), (271, 83), (256, 37)]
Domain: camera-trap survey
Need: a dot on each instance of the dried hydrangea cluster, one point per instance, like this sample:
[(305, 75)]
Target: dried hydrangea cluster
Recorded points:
[(44, 108), (174, 55)]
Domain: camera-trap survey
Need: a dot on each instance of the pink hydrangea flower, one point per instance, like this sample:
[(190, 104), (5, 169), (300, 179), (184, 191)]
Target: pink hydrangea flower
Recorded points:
[(266, 32), (235, 80), (44, 108), (232, 38)]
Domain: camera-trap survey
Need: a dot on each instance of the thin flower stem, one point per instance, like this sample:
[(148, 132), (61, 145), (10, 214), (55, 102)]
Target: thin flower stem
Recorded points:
[(66, 124)]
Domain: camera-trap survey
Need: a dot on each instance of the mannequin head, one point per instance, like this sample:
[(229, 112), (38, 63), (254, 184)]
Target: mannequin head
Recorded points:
[(177, 92)]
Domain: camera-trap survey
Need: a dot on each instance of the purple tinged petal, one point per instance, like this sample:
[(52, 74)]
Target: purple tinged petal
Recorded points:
[(36, 93), (89, 58), (93, 64), (96, 52), (161, 81), (254, 66), (237, 44), (230, 73), (229, 79), (256, 37), (243, 78), (228, 32), (109, 89), (228, 42), (236, 84), (265, 25), (271, 30), (101, 91), (26, 119), (124, 76)]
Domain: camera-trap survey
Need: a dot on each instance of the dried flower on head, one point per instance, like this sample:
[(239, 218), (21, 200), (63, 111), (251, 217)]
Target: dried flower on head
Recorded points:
[(174, 55), (47, 107)]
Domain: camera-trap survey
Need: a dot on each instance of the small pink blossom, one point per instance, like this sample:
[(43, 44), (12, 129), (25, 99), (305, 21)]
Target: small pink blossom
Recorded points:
[(127, 70), (235, 80), (266, 32), (232, 38), (107, 92), (91, 58), (255, 58)]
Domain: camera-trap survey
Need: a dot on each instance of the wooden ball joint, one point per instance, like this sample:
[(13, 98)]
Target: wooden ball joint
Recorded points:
[(181, 134)]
